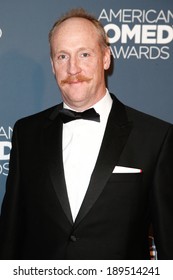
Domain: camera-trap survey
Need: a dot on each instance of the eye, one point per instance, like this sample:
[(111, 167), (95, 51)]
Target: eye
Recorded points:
[(85, 54), (62, 57)]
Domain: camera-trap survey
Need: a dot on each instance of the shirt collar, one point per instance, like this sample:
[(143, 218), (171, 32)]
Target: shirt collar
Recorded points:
[(102, 107)]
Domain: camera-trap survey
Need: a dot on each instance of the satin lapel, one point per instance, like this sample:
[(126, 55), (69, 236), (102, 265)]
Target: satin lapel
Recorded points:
[(116, 135), (52, 148)]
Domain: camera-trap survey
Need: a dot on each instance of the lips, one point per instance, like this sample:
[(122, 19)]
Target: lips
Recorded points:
[(75, 81)]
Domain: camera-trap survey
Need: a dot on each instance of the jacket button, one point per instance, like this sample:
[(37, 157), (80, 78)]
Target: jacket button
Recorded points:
[(73, 238)]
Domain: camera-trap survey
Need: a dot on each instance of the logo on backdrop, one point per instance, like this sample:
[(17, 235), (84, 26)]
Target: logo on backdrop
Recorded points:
[(5, 148), (139, 34)]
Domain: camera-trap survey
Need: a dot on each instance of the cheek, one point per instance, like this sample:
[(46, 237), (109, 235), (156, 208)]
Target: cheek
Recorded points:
[(90, 69), (59, 72)]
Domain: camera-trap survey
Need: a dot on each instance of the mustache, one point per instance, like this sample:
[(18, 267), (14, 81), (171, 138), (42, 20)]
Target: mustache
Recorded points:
[(75, 79)]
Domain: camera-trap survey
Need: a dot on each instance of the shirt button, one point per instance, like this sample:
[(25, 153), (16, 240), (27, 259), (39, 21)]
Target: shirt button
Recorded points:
[(73, 238)]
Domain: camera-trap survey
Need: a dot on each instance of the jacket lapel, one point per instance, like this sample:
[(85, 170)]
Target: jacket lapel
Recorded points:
[(115, 137), (53, 152)]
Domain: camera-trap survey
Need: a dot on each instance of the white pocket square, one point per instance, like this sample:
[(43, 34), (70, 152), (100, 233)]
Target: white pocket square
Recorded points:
[(122, 169)]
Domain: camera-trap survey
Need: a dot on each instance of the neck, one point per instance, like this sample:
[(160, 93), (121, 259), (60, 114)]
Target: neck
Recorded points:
[(82, 106)]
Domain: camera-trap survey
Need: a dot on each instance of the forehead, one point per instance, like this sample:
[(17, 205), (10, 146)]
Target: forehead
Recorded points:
[(75, 28)]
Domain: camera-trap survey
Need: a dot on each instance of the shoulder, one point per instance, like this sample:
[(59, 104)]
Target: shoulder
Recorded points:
[(38, 121), (140, 118), (147, 122), (144, 126), (149, 130)]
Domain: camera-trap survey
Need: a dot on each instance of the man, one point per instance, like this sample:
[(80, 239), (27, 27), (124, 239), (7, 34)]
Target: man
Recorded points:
[(87, 188)]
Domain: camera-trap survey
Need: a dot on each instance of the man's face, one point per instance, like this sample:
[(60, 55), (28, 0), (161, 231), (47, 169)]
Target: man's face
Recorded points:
[(78, 63)]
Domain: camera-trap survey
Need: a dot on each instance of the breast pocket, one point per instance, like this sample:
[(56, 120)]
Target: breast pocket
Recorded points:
[(126, 177), (126, 185)]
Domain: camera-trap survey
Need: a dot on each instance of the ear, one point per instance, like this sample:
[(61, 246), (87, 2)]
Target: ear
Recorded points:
[(107, 58), (52, 64)]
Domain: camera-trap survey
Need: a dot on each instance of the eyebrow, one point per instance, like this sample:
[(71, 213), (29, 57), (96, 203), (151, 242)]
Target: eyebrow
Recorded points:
[(78, 50)]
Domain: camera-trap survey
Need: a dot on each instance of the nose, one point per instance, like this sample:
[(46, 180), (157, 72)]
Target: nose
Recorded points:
[(73, 66)]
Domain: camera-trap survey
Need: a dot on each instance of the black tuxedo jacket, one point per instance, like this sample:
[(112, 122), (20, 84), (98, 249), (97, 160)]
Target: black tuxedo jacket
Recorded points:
[(116, 213)]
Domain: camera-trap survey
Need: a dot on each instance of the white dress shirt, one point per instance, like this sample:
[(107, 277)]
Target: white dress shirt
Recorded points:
[(81, 145)]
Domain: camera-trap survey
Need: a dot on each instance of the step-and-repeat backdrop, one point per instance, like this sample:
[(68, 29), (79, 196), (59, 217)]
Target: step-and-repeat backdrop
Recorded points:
[(141, 37)]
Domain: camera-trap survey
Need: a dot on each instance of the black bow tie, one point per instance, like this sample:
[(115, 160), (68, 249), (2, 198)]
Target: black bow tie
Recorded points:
[(69, 115)]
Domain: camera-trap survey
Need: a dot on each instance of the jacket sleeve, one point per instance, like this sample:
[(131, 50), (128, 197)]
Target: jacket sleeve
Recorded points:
[(11, 212), (162, 200)]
